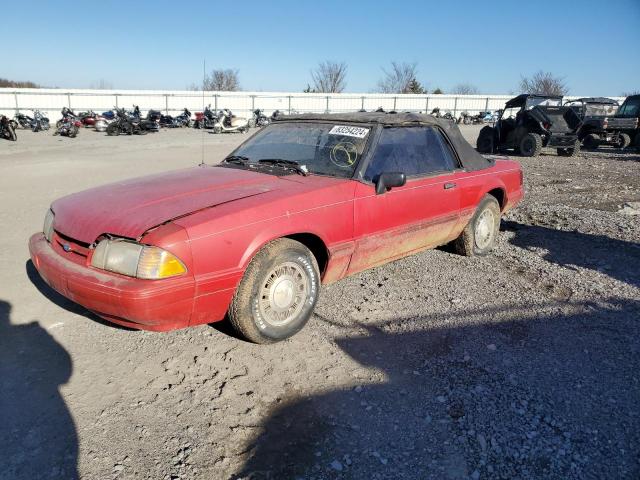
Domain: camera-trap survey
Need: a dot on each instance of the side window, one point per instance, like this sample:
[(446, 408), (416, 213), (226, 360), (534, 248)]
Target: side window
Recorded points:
[(414, 151)]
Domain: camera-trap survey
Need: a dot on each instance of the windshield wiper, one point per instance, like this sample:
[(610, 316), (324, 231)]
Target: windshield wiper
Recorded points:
[(290, 164), (237, 159)]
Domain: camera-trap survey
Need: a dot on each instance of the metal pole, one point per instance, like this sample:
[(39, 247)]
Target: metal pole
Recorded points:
[(289, 104), (327, 108), (215, 102), (486, 104), (15, 95), (69, 100), (253, 102), (426, 107), (455, 107), (362, 103), (116, 100), (394, 103), (166, 104)]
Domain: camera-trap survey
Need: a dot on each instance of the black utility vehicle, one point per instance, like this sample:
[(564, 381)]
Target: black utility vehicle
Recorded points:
[(599, 125), (529, 123)]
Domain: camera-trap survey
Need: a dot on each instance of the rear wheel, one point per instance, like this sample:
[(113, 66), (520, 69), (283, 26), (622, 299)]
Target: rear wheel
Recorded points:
[(480, 234), (591, 141), (531, 145), (73, 131), (485, 141), (570, 152), (623, 140), (277, 294)]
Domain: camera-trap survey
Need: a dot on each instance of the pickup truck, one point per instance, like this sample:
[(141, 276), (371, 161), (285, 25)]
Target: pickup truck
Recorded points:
[(599, 125), (625, 122), (307, 200)]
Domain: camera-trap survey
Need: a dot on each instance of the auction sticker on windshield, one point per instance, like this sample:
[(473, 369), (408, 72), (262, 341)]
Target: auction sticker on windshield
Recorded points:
[(348, 131)]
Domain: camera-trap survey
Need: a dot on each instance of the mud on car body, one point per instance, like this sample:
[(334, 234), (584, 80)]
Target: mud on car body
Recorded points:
[(309, 199)]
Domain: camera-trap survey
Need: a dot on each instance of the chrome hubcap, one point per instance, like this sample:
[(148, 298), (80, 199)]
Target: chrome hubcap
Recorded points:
[(484, 230), (283, 293)]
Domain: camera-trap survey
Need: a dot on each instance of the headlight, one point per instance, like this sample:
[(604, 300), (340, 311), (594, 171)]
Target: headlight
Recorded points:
[(47, 229), (135, 260)]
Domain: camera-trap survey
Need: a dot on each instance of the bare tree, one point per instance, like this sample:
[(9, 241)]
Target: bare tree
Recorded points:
[(102, 84), (544, 83), (628, 94), (465, 89), (399, 79), (220, 80), (5, 83), (329, 77)]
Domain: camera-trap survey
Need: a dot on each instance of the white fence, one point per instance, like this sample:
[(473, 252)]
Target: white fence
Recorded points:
[(51, 101)]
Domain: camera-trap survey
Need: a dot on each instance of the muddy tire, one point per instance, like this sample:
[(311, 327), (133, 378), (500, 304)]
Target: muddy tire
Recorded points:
[(623, 141), (277, 293), (480, 234), (591, 141), (485, 141), (530, 145), (570, 152)]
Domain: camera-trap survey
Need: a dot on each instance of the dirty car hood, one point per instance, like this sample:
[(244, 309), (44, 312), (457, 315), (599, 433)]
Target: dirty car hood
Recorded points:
[(131, 207)]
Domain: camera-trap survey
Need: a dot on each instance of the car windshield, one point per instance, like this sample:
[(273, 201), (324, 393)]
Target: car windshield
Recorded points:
[(320, 148), (535, 101)]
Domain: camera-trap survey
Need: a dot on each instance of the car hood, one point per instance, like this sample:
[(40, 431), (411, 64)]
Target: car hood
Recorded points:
[(130, 208)]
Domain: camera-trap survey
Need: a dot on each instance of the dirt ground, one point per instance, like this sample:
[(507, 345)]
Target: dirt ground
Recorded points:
[(522, 364)]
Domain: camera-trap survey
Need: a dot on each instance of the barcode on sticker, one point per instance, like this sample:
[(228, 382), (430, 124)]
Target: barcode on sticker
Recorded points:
[(348, 131)]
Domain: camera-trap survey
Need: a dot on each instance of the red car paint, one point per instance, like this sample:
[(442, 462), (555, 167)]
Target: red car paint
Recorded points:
[(357, 228)]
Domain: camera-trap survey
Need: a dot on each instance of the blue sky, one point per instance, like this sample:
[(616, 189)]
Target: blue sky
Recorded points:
[(274, 44)]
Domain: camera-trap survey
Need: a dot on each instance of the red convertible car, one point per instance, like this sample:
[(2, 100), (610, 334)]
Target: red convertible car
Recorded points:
[(306, 200)]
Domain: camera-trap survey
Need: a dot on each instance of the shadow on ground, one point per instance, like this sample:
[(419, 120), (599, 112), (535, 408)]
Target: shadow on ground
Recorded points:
[(617, 258), (543, 392), (37, 433), (62, 301)]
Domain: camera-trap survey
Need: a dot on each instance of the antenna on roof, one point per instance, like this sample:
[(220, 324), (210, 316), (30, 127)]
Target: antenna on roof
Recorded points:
[(204, 77)]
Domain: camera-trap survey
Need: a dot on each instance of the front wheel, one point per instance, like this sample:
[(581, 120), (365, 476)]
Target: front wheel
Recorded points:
[(277, 294), (113, 129), (480, 234)]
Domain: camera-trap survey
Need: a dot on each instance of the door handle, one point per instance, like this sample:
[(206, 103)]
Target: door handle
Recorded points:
[(449, 185)]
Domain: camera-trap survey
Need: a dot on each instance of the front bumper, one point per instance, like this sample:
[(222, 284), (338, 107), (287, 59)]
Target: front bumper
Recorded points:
[(157, 305)]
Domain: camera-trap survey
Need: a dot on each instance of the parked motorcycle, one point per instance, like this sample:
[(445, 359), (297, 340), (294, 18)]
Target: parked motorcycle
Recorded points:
[(151, 123), (22, 120), (465, 118), (69, 125), (7, 129), (40, 122), (228, 122), (184, 119), (258, 119), (124, 123), (206, 119), (36, 123)]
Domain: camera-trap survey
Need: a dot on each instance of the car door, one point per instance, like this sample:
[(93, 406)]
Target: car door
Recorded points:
[(418, 215)]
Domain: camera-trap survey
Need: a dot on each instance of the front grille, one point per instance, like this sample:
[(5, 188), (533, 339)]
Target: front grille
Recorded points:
[(70, 248)]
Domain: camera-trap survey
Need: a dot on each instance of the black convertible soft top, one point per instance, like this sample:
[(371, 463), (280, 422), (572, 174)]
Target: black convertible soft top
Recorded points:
[(470, 158)]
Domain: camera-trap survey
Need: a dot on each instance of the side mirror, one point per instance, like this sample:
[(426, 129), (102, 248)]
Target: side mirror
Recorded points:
[(388, 180)]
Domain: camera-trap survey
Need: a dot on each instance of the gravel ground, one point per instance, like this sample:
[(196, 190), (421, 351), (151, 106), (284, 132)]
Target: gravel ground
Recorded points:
[(523, 364)]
